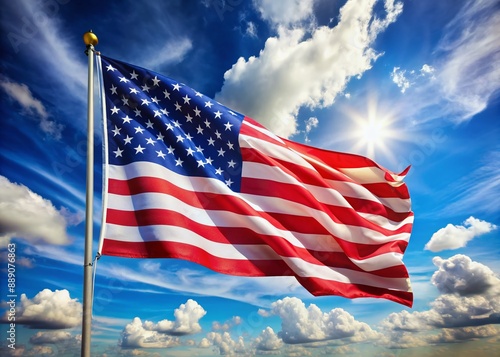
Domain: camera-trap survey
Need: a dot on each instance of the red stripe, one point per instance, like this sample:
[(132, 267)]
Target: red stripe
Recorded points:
[(316, 286)]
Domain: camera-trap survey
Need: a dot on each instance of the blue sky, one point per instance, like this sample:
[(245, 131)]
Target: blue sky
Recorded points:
[(403, 82)]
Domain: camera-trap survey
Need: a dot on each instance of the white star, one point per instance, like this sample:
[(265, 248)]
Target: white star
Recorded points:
[(221, 152), (218, 114), (113, 89), (211, 142), (164, 111), (228, 125), (199, 149), (149, 124), (156, 81), (209, 161), (124, 100), (189, 137), (179, 138), (200, 163), (232, 113), (189, 118), (178, 106), (177, 86), (137, 112), (207, 123), (170, 150), (128, 140), (114, 110), (199, 130), (110, 68), (177, 124), (198, 94), (219, 171), (217, 134), (157, 113), (230, 145), (145, 101), (133, 90), (139, 149), (197, 112), (127, 119), (231, 163), (178, 162), (228, 182), (160, 154), (118, 152), (166, 93), (208, 104), (150, 141), (190, 151), (160, 137), (169, 127), (145, 88), (123, 79), (116, 131), (155, 100), (133, 75), (186, 99), (138, 129)]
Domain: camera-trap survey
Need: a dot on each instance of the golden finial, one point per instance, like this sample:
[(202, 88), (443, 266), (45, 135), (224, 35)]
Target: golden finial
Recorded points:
[(90, 38)]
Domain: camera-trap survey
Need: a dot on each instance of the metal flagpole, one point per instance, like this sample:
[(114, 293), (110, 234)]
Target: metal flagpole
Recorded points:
[(90, 40)]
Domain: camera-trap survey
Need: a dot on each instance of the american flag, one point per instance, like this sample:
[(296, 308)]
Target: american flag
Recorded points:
[(189, 178)]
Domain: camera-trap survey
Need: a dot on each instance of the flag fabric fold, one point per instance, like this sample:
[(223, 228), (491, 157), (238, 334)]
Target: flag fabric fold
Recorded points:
[(189, 178)]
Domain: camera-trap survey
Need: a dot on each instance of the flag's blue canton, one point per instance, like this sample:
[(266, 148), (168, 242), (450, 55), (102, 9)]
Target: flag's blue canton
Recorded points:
[(153, 118)]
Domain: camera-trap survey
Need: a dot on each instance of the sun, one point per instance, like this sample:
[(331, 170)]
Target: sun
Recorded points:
[(372, 133)]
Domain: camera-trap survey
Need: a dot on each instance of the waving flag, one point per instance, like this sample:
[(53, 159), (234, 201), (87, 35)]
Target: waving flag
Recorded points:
[(189, 178)]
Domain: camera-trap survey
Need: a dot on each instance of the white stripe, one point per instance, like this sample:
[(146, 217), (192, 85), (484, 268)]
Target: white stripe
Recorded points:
[(263, 131), (307, 270), (177, 234)]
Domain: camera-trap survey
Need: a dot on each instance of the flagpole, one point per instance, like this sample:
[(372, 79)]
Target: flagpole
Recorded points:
[(90, 40)]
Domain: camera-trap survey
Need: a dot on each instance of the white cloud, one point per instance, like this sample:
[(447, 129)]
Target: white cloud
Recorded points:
[(171, 53), (300, 324), (49, 310), (148, 334), (225, 343), (469, 303), (427, 70), (227, 325), (25, 214), (322, 62), (460, 275), (268, 340), (187, 317), (20, 93), (398, 77), (134, 335), (311, 123), (284, 12), (455, 236), (55, 337)]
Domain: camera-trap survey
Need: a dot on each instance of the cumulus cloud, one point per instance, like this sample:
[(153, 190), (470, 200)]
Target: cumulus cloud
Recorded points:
[(21, 94), (154, 335), (54, 337), (27, 215), (455, 236), (300, 324), (134, 335), (49, 310), (460, 274), (268, 340), (311, 123), (322, 61), (225, 343), (225, 326), (470, 301)]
